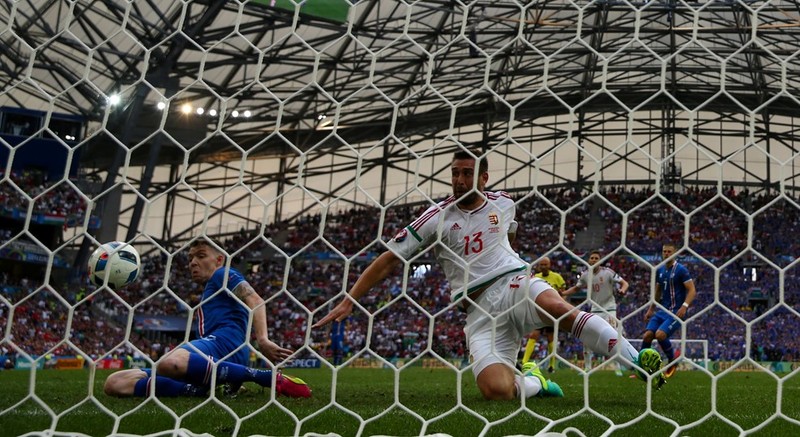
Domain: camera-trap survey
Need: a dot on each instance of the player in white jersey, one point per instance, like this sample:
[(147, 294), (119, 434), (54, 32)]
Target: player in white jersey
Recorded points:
[(470, 233), (604, 283)]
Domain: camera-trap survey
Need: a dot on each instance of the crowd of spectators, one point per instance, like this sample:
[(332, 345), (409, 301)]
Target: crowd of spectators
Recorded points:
[(303, 267), (54, 198), (57, 322)]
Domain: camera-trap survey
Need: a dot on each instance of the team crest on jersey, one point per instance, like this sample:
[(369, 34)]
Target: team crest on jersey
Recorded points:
[(493, 219), (401, 236)]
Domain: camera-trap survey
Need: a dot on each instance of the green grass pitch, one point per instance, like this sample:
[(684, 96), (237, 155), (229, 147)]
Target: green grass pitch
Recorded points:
[(400, 405)]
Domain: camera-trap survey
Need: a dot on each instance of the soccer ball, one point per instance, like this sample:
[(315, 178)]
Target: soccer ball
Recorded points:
[(119, 262)]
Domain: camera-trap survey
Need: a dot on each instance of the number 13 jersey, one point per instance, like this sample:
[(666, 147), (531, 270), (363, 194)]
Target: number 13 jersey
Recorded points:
[(471, 246)]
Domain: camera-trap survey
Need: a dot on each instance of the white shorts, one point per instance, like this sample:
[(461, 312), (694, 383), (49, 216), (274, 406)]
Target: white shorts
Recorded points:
[(500, 317)]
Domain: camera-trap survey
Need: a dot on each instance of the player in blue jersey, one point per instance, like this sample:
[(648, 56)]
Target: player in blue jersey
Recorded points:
[(221, 323), (338, 329), (675, 290)]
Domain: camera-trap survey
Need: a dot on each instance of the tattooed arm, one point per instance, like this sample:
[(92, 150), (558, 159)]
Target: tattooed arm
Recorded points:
[(248, 295)]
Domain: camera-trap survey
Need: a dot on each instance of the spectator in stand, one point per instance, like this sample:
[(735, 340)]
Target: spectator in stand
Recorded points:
[(770, 226)]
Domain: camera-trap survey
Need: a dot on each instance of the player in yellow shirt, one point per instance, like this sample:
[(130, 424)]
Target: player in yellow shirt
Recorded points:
[(557, 282)]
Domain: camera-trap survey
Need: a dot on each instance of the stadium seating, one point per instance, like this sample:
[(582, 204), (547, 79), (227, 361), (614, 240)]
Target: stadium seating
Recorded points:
[(401, 330)]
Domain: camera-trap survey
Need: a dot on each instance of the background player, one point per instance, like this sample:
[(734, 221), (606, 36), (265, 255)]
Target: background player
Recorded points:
[(222, 327), (604, 282), (338, 329), (557, 282), (468, 233), (676, 291)]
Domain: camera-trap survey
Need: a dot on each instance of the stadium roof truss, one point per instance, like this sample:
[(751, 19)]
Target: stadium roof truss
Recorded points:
[(376, 91)]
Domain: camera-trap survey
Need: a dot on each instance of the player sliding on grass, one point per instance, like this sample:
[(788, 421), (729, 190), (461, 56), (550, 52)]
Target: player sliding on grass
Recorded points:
[(470, 233), (222, 328)]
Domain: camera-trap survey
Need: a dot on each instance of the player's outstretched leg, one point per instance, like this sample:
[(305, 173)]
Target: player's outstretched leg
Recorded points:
[(136, 382), (285, 385), (199, 372), (549, 387), (167, 387), (291, 386), (597, 335)]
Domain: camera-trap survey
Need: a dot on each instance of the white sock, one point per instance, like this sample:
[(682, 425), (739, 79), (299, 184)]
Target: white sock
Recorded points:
[(600, 337), (531, 385)]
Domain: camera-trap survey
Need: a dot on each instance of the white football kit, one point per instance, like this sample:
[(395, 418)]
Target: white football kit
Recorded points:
[(474, 252), (601, 292)]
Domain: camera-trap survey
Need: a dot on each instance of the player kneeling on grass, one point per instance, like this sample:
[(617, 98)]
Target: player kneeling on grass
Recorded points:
[(222, 328), (470, 233)]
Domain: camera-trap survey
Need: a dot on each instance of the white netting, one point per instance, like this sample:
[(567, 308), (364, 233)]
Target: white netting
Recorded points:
[(304, 136)]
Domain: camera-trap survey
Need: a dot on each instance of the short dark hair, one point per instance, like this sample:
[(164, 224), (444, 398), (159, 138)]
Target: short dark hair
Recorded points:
[(210, 243), (483, 164)]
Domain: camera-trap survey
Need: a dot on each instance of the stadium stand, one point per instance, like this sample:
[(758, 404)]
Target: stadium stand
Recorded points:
[(317, 270)]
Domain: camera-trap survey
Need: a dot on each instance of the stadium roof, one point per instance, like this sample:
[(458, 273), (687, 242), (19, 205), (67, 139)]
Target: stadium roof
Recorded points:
[(638, 87), (390, 68)]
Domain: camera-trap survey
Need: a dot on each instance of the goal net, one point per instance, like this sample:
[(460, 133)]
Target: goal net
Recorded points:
[(304, 135)]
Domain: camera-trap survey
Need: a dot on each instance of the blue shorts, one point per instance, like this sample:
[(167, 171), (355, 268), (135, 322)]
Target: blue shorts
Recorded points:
[(219, 345), (664, 321), (337, 343)]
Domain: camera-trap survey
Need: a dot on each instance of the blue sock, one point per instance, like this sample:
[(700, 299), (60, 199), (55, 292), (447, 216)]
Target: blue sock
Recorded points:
[(666, 346), (199, 372), (167, 387), (141, 387)]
